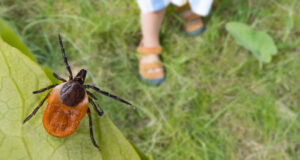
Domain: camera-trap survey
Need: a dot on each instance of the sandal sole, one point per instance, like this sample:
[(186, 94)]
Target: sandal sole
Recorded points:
[(154, 82), (196, 32)]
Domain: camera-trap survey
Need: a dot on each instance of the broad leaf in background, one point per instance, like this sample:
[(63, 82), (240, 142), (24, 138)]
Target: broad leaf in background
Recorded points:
[(19, 76), (258, 42)]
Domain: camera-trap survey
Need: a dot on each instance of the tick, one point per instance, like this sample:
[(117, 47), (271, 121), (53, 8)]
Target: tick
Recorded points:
[(68, 103)]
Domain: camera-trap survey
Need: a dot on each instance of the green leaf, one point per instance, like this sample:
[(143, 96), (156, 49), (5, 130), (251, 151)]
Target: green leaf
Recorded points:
[(9, 36), (19, 76), (113, 144), (258, 42), (141, 154), (49, 74)]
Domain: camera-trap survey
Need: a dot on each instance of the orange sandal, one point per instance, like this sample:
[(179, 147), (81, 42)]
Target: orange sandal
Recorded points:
[(193, 22), (151, 70)]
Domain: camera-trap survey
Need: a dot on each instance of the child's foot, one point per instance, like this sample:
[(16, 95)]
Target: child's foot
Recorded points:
[(193, 23), (151, 70)]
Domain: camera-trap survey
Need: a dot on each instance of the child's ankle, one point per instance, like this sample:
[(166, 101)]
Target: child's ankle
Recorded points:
[(150, 43)]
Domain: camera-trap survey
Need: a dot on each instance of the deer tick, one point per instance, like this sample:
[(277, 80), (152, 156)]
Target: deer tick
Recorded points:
[(68, 103)]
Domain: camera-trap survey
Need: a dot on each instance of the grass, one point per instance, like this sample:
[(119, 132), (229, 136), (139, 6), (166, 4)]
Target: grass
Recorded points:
[(216, 102)]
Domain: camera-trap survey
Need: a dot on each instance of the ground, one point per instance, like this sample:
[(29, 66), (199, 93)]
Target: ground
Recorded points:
[(216, 103)]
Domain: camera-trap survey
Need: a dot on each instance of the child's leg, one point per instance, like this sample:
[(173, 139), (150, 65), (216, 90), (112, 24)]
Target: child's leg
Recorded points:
[(151, 23), (192, 13), (152, 13), (150, 67)]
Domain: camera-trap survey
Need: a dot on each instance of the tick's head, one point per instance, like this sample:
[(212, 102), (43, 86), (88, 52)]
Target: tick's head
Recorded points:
[(80, 77)]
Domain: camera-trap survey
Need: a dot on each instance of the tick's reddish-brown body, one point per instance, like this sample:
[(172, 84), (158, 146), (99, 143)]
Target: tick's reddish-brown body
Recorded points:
[(61, 120)]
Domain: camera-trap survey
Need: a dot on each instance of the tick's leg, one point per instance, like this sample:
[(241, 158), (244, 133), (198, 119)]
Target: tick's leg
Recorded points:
[(109, 95), (59, 77), (37, 108), (98, 110), (65, 57), (44, 89), (92, 95), (91, 129)]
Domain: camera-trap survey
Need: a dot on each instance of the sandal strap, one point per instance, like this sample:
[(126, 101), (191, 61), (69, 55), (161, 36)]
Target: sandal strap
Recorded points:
[(146, 50), (155, 64), (144, 68), (184, 13), (190, 17), (154, 75)]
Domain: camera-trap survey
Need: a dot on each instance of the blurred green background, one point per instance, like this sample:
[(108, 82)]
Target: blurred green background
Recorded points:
[(217, 103)]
